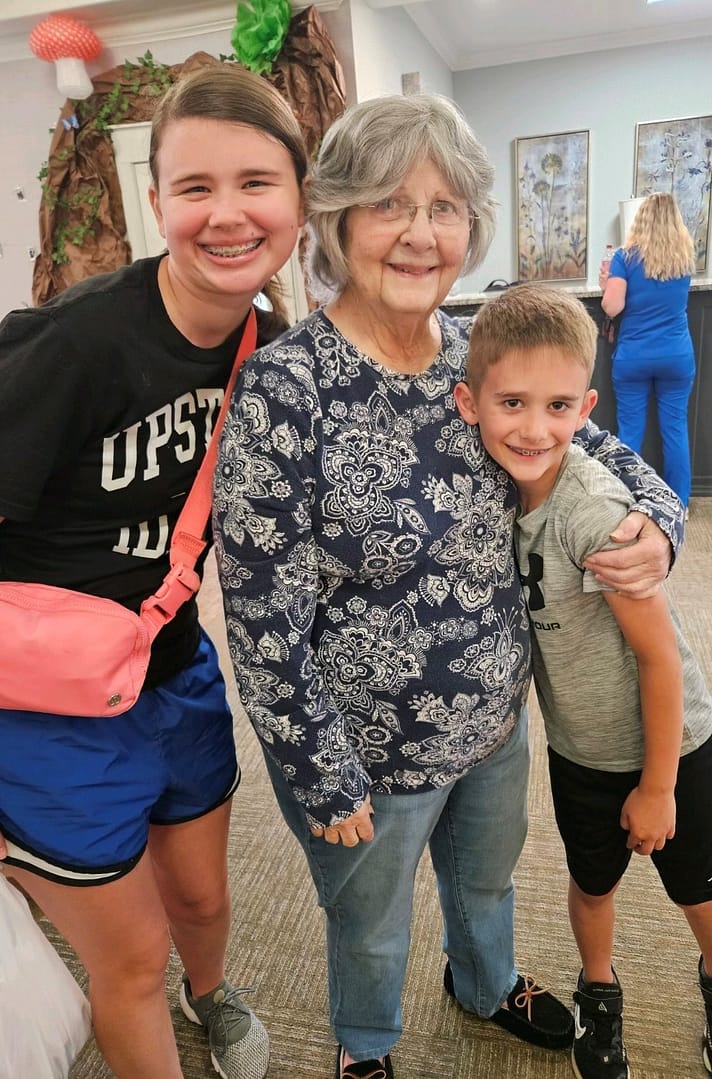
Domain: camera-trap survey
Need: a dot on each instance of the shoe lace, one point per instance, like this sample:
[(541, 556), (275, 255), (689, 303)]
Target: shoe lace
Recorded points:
[(524, 998), (221, 1017)]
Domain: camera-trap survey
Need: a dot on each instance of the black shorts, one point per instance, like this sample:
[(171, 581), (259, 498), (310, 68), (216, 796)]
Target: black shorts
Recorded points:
[(588, 804)]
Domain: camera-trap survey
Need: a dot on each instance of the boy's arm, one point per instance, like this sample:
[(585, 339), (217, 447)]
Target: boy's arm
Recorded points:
[(648, 814)]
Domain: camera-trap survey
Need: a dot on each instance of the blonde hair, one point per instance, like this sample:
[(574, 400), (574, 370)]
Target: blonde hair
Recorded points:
[(660, 237), (526, 317)]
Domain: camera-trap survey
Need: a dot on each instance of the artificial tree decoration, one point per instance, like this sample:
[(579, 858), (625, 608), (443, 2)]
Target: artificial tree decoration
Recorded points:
[(82, 224), (259, 32), (308, 75), (68, 43)]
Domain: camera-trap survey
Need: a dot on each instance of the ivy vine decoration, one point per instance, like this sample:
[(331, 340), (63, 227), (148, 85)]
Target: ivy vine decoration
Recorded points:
[(75, 215), (146, 74), (75, 208), (259, 33)]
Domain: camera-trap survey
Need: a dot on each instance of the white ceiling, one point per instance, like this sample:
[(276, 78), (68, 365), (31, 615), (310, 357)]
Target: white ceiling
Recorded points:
[(465, 33), (480, 33)]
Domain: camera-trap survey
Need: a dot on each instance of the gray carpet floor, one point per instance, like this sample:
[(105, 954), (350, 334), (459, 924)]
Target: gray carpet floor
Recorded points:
[(277, 939)]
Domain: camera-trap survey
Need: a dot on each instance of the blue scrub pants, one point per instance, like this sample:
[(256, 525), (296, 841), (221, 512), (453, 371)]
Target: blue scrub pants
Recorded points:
[(671, 380)]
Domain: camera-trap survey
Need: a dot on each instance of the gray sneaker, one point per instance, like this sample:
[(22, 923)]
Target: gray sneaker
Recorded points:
[(239, 1046)]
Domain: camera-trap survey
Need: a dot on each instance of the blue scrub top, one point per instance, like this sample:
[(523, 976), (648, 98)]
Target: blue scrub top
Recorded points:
[(654, 319)]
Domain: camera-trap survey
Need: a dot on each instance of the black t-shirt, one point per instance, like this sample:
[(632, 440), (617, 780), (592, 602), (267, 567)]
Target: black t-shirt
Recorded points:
[(105, 413)]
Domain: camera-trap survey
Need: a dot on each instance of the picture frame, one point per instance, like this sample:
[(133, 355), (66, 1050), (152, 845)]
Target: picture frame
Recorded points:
[(552, 180), (675, 156)]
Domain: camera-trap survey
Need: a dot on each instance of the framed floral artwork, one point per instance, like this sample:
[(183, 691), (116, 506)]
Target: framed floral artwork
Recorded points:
[(675, 156), (552, 206)]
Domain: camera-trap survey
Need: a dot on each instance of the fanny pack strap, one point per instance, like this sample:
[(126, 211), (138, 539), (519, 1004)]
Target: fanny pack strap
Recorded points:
[(188, 542)]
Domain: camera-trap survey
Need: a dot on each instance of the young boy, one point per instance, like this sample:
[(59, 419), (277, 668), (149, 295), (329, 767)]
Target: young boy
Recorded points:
[(628, 716)]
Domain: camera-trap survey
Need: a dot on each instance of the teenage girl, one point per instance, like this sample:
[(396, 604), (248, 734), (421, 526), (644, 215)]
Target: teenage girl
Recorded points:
[(118, 828)]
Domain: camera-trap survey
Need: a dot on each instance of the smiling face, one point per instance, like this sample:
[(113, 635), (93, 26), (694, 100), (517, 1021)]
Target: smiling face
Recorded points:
[(405, 268), (229, 207), (528, 407)]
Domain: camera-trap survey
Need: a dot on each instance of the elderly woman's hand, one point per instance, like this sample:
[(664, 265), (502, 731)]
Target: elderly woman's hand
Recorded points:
[(638, 569), (356, 828)]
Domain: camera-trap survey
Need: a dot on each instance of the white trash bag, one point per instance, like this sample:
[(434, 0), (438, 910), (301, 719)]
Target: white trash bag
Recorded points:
[(44, 1016)]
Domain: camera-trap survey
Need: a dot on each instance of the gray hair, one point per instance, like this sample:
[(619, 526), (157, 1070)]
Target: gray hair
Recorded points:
[(364, 157)]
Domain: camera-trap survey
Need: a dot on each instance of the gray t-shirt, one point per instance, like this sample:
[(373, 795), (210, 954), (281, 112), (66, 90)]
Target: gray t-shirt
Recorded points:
[(586, 674)]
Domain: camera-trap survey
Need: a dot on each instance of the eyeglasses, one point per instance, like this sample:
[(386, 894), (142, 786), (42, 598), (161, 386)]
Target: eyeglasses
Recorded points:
[(440, 214)]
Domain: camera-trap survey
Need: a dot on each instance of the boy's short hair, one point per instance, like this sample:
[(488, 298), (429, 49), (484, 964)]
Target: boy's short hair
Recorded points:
[(527, 317)]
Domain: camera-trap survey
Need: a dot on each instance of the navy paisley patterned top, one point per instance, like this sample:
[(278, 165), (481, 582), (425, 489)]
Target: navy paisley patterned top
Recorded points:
[(364, 539)]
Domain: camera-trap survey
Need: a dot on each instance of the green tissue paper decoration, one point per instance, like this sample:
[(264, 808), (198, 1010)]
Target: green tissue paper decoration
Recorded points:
[(259, 32)]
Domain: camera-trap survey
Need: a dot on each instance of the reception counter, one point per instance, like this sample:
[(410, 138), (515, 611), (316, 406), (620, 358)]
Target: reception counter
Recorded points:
[(699, 312)]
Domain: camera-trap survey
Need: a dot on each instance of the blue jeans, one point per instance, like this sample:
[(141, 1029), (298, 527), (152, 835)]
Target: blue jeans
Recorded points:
[(671, 381), (476, 829)]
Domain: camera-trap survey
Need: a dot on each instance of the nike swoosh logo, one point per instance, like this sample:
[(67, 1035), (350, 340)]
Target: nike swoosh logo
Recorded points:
[(579, 1030)]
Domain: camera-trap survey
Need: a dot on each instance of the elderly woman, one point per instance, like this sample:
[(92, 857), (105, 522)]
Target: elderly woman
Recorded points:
[(374, 610)]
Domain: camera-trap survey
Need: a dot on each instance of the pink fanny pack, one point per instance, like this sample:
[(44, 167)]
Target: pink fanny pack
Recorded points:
[(74, 654)]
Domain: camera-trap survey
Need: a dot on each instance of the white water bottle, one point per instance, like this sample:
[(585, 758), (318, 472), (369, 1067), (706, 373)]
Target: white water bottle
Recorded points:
[(605, 267)]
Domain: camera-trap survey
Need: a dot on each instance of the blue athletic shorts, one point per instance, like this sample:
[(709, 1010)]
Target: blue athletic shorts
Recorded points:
[(77, 794)]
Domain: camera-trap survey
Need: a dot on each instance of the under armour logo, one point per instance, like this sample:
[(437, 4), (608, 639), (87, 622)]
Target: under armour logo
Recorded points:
[(531, 581)]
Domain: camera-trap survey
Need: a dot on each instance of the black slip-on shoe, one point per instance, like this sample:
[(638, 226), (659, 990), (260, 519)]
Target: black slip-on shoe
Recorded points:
[(530, 1013), (364, 1069)]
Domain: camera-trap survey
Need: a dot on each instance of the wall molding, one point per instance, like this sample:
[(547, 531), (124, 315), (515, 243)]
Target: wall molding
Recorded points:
[(124, 22), (449, 49)]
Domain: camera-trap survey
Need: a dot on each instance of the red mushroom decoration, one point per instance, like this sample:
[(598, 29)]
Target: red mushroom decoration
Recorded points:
[(69, 43)]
